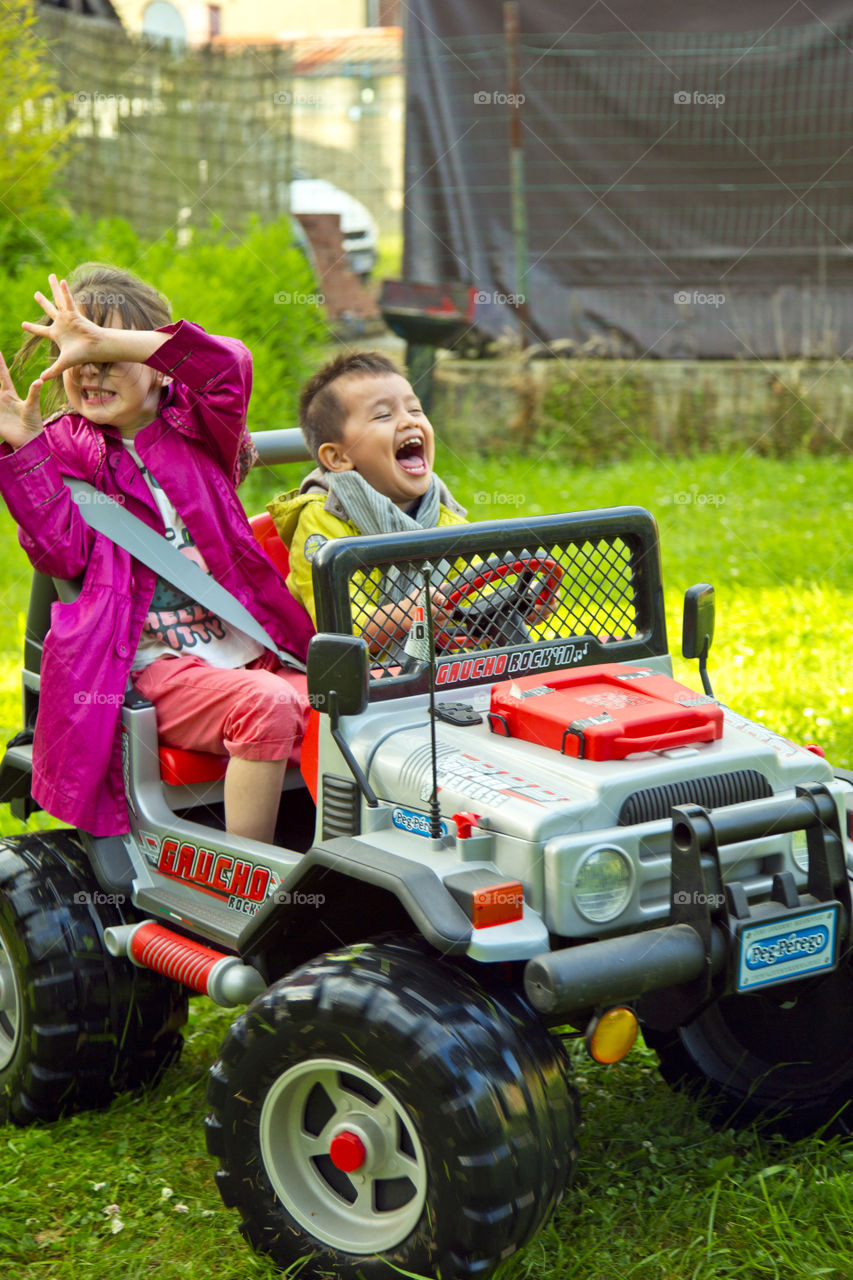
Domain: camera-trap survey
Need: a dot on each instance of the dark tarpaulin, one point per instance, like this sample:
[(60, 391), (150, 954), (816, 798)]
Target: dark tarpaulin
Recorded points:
[(687, 176)]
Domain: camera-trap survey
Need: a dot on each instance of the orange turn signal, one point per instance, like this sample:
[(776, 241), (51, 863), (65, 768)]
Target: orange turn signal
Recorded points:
[(610, 1036), (497, 904)]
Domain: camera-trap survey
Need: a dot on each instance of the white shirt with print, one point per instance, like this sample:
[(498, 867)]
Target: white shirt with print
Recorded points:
[(176, 624)]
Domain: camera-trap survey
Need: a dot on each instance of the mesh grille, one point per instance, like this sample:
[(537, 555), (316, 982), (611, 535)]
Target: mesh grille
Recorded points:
[(537, 593), (713, 793)]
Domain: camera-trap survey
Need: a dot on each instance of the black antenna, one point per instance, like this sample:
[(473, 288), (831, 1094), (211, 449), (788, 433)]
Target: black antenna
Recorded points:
[(434, 810)]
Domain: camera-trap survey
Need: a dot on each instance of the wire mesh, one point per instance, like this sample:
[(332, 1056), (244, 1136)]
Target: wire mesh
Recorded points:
[(675, 182), (170, 136), (555, 592), (650, 151)]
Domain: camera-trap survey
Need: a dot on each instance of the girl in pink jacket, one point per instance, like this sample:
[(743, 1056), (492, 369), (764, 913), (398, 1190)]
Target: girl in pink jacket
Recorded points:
[(155, 417)]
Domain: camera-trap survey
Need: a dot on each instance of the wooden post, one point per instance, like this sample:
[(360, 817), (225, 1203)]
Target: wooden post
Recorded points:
[(516, 160)]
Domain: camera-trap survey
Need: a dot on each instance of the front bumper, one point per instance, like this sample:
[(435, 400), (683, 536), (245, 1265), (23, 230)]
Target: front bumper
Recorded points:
[(716, 941)]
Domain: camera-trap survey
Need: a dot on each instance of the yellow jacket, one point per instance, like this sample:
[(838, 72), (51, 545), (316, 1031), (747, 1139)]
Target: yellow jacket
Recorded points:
[(305, 520)]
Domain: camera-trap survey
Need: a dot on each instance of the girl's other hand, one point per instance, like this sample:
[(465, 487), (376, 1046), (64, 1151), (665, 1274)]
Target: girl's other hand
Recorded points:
[(79, 340), (20, 420)]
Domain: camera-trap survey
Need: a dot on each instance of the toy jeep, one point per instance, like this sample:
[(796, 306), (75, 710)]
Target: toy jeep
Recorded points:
[(513, 825)]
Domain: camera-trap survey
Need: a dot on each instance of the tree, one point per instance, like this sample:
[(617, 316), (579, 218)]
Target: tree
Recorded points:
[(34, 135)]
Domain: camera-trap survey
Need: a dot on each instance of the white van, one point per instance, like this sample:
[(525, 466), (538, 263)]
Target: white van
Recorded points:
[(359, 230)]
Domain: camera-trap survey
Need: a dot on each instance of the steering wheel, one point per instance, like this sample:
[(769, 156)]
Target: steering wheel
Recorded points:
[(499, 613)]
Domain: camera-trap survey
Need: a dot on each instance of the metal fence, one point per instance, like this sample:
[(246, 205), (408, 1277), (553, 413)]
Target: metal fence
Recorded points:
[(168, 136)]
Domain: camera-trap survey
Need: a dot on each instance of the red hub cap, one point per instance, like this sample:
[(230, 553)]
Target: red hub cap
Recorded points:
[(347, 1152)]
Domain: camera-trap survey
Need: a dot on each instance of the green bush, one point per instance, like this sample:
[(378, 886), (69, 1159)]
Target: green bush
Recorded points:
[(35, 136), (592, 416), (227, 285), (798, 421), (693, 428), (256, 289), (592, 412)]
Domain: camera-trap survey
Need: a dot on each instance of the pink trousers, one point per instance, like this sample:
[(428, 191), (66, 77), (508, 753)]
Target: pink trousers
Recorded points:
[(252, 712)]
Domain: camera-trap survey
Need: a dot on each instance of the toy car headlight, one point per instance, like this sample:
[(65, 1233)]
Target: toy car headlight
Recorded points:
[(603, 883)]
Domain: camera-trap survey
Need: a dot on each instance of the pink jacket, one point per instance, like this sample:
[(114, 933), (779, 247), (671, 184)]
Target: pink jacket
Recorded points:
[(195, 448)]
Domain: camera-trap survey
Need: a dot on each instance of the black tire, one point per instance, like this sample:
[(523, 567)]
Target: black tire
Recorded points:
[(785, 1057), (76, 1025), (473, 1089)]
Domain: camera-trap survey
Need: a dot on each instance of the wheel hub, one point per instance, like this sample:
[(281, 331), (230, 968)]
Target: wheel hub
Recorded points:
[(343, 1155), (10, 1008), (359, 1145), (347, 1151), (7, 990)]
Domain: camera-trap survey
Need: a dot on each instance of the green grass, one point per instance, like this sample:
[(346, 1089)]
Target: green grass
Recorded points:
[(658, 1195)]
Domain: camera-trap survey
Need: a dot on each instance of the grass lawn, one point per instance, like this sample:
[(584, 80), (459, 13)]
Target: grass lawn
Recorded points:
[(659, 1195)]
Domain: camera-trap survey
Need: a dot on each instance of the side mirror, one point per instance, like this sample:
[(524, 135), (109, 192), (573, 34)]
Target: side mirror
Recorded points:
[(698, 628), (338, 669)]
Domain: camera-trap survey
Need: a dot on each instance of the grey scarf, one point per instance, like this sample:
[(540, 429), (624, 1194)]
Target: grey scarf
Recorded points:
[(372, 512)]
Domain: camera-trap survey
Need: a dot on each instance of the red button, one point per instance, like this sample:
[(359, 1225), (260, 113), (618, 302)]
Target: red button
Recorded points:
[(347, 1151), (464, 823)]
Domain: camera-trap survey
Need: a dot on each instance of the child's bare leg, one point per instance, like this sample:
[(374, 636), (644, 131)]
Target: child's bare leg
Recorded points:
[(252, 797)]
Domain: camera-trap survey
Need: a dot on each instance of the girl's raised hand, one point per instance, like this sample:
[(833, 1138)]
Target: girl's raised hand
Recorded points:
[(79, 340), (20, 420)]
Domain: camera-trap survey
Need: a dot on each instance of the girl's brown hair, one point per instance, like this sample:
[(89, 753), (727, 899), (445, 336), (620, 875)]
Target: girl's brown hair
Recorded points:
[(102, 293)]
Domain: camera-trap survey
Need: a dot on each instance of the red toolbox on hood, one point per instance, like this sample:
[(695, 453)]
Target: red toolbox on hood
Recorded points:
[(604, 712)]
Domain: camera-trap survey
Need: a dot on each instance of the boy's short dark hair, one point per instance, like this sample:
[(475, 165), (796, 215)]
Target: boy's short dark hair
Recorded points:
[(322, 413)]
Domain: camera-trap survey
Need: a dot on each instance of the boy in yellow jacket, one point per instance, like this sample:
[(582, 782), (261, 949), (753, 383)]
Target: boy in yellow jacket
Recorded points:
[(375, 448)]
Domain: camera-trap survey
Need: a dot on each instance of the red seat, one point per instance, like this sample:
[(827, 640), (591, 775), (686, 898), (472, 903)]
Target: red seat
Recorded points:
[(267, 536), (187, 768)]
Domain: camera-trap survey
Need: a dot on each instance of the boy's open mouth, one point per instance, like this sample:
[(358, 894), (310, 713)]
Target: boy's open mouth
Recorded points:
[(410, 456)]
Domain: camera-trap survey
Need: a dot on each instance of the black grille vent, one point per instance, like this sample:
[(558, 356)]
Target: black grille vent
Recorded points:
[(711, 793), (341, 807)]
